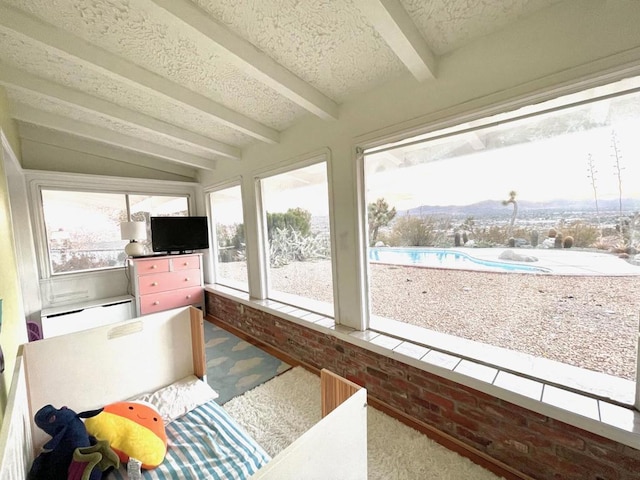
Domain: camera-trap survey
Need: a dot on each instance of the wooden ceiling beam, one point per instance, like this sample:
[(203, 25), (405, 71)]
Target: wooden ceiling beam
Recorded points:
[(251, 60), (17, 79), (395, 26), (27, 114)]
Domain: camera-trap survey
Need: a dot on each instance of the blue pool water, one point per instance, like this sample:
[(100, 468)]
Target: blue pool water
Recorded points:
[(444, 258)]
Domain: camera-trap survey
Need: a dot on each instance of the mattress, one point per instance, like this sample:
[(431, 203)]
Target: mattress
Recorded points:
[(206, 443)]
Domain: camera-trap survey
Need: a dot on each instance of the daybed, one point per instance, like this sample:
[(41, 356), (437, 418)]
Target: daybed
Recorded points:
[(92, 368)]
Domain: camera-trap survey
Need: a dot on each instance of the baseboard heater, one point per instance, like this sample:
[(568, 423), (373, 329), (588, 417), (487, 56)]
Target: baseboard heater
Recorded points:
[(75, 317)]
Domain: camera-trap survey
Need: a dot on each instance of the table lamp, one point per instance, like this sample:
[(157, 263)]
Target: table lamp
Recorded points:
[(133, 231)]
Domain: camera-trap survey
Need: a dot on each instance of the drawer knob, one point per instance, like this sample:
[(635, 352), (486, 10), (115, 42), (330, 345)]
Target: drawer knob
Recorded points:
[(186, 263), (156, 302), (188, 297), (186, 279), (153, 266), (154, 284)]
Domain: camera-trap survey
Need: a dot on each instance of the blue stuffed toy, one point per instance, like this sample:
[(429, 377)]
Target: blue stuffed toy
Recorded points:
[(68, 433)]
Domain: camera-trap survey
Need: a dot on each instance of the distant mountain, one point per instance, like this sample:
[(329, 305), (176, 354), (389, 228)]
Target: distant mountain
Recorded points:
[(495, 207)]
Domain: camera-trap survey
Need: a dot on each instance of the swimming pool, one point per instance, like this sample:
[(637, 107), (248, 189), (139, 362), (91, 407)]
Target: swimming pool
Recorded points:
[(445, 258)]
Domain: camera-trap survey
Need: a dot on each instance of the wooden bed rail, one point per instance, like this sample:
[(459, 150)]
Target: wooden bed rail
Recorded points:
[(197, 343), (335, 390)]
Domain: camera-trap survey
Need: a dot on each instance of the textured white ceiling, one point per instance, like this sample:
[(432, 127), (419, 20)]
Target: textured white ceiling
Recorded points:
[(314, 55)]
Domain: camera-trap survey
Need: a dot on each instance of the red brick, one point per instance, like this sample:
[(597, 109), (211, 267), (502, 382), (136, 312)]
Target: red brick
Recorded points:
[(504, 414), (429, 398), (597, 469), (569, 439), (460, 396)]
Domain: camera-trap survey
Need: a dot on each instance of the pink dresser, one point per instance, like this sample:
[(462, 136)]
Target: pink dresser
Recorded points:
[(167, 281)]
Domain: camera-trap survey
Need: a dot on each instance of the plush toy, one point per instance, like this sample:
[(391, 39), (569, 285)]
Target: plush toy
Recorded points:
[(133, 429), (68, 433), (88, 463)]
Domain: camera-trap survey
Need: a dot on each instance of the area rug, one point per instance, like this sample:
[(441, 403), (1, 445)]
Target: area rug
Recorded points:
[(282, 409), (234, 365)]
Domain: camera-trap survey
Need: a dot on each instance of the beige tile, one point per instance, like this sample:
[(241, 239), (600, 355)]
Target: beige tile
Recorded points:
[(621, 417), (441, 359), (570, 401), (365, 335), (517, 384), (386, 342), (411, 350), (476, 370)]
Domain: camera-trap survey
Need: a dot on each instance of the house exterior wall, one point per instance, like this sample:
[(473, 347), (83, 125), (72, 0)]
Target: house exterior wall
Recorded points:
[(533, 444)]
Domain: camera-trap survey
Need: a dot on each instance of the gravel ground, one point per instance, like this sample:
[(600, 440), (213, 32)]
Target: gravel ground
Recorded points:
[(589, 322)]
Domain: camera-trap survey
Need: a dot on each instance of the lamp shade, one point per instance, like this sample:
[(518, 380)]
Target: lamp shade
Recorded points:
[(133, 230)]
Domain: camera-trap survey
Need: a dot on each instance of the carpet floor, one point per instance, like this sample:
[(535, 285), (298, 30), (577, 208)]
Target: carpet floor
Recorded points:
[(279, 411), (235, 366)]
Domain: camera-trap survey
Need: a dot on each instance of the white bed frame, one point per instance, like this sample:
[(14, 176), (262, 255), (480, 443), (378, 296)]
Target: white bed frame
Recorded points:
[(91, 368)]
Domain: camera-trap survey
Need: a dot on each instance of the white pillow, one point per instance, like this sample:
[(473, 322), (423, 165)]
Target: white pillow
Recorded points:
[(179, 398)]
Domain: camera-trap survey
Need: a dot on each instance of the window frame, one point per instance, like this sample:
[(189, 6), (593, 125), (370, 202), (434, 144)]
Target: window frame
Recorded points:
[(462, 120), (214, 237), (303, 161), (39, 181)]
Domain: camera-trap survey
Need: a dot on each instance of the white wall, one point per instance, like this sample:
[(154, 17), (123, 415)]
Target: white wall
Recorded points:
[(565, 48)]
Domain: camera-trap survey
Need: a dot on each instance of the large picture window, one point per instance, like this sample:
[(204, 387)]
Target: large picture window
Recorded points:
[(296, 212), (520, 233), (83, 228)]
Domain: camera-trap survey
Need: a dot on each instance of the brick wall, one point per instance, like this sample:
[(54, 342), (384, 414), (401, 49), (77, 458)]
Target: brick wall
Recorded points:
[(531, 443)]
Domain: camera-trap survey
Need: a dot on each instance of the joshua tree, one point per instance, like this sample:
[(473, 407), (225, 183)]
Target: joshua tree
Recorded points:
[(512, 200), (591, 175), (379, 216)]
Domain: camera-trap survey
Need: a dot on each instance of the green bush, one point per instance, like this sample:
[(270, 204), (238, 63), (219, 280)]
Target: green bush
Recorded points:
[(295, 219)]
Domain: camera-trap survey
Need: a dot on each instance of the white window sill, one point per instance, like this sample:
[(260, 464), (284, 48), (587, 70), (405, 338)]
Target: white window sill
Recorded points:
[(544, 396)]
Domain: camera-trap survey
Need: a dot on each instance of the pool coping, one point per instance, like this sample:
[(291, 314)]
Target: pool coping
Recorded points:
[(554, 261)]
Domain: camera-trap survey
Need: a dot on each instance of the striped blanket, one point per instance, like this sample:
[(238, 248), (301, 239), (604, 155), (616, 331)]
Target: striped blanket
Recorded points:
[(206, 443)]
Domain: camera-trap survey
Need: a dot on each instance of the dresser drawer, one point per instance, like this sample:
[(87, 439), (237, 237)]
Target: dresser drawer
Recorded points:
[(152, 265), (163, 282), (157, 302), (186, 263)]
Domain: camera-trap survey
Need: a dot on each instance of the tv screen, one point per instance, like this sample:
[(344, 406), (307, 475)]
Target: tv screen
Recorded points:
[(179, 234)]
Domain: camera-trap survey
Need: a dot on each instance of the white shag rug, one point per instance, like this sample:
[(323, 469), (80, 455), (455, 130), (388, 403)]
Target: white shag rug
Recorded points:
[(282, 409)]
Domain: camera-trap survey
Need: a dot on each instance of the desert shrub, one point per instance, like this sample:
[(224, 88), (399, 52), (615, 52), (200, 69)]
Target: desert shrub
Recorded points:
[(411, 231), (567, 242), (498, 235), (490, 236), (288, 245), (552, 233), (584, 235)]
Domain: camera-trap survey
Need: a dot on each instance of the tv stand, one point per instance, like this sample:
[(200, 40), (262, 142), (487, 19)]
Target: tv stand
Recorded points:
[(162, 282)]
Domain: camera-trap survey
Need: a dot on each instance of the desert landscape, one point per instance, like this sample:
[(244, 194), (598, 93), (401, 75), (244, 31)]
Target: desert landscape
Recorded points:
[(587, 321)]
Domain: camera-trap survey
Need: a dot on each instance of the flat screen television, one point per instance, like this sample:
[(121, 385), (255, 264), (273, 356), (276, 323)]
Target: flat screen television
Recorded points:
[(179, 234)]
